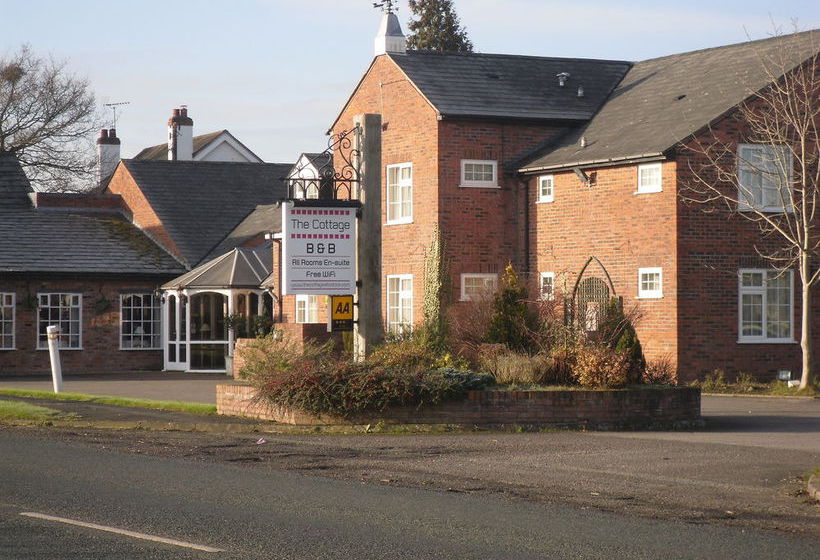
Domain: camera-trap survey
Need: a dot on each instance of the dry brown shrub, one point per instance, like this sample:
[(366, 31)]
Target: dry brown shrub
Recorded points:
[(659, 371), (513, 367), (600, 366)]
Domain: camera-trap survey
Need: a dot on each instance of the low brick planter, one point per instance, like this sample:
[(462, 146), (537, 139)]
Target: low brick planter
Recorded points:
[(667, 408)]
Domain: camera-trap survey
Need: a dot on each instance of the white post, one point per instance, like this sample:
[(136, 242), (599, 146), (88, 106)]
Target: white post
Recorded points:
[(53, 332)]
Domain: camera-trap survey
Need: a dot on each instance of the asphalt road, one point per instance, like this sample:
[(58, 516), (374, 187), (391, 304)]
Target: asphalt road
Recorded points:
[(253, 513)]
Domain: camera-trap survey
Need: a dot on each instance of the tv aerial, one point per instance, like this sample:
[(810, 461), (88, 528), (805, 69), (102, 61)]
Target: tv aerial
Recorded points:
[(113, 107)]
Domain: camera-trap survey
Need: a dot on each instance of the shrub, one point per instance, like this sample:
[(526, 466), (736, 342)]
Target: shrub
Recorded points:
[(510, 367), (617, 330), (597, 365), (746, 383), (312, 379), (512, 321), (712, 382), (563, 363), (659, 372), (280, 353)]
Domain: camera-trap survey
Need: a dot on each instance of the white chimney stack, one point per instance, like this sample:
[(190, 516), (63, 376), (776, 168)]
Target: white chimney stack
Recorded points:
[(108, 154), (390, 38), (180, 136)]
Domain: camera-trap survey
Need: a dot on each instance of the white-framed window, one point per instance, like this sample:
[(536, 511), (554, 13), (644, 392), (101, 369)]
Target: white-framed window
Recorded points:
[(475, 286), (64, 310), (400, 193), (6, 321), (766, 302), (140, 322), (399, 302), (547, 287), (479, 173), (649, 178), (650, 282), (307, 308), (546, 188), (764, 176)]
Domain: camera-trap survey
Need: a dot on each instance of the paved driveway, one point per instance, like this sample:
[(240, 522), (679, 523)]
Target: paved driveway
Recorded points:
[(174, 386)]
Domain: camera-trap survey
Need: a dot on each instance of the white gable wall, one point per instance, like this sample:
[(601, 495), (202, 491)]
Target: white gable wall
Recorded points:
[(225, 148)]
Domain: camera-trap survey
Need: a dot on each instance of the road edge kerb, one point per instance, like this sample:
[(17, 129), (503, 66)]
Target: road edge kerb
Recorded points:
[(813, 487), (744, 395)]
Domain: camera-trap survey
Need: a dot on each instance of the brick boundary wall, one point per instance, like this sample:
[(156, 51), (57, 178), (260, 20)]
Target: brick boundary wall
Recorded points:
[(668, 408)]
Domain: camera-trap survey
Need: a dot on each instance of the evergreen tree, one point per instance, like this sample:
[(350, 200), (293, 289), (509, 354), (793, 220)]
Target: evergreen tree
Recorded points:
[(437, 27)]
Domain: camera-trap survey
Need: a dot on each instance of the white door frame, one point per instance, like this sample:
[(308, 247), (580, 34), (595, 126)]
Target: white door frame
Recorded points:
[(177, 346)]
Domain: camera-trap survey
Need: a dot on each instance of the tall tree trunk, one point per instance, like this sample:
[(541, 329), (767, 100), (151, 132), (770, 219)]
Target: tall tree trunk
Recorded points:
[(806, 320)]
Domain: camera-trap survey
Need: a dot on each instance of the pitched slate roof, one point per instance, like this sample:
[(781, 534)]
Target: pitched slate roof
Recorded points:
[(508, 86), (198, 202), (68, 242), (14, 185), (263, 219), (665, 100), (239, 268), (160, 151)]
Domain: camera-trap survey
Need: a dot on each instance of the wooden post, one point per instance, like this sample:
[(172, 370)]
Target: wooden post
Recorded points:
[(369, 330)]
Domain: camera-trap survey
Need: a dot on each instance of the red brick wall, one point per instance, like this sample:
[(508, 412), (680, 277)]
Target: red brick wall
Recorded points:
[(100, 329), (143, 215), (483, 227), (625, 231), (641, 409), (713, 244), (409, 135)]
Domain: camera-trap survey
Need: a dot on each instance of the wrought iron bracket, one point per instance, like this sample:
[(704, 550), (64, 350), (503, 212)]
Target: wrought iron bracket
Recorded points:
[(332, 175)]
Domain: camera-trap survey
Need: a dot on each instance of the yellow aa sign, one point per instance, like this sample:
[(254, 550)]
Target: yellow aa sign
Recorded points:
[(342, 307), (341, 313)]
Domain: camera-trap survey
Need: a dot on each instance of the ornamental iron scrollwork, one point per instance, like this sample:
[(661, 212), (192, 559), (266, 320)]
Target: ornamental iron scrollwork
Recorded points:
[(590, 297), (329, 175)]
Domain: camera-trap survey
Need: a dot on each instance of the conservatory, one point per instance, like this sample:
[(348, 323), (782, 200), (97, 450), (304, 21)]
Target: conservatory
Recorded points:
[(206, 309)]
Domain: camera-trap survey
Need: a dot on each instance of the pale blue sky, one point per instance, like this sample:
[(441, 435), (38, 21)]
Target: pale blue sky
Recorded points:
[(276, 72)]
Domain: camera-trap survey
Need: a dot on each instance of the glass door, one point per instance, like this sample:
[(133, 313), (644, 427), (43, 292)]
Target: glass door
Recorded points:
[(176, 333)]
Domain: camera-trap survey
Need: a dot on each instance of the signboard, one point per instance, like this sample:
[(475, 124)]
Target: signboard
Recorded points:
[(341, 313), (318, 250)]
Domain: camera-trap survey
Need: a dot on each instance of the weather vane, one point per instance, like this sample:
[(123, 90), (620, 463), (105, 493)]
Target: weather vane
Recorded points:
[(114, 109), (386, 6)]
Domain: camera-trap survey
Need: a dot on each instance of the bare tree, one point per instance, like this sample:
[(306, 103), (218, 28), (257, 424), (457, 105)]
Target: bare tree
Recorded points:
[(770, 176), (47, 118)]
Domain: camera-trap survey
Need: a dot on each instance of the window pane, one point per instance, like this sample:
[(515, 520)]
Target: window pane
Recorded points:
[(752, 315), (752, 279)]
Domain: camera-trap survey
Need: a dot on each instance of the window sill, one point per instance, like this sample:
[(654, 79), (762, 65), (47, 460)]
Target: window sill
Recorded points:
[(653, 191), (60, 349), (768, 341), (139, 349), (7, 349), (766, 210), (544, 201), (484, 186), (399, 222), (650, 297)]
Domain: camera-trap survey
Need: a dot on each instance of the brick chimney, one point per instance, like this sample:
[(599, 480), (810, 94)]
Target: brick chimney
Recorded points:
[(108, 154), (180, 135)]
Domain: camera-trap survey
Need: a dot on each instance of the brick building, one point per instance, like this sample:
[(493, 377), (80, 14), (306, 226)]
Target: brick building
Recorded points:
[(144, 275), (571, 170)]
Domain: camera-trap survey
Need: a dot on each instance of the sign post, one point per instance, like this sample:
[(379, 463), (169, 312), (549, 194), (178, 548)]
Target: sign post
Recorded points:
[(53, 334)]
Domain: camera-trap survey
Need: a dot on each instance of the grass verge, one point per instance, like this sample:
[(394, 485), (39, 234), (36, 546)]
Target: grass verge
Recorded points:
[(176, 406), (17, 410)]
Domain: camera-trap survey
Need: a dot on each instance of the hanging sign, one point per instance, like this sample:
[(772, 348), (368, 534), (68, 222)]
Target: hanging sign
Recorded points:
[(318, 250), (341, 313)]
